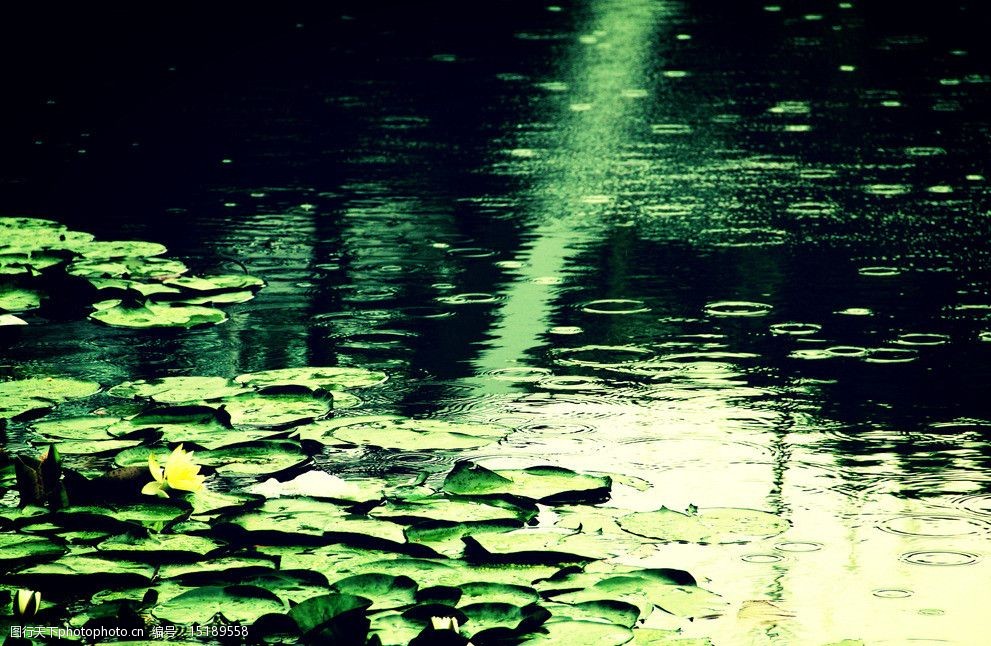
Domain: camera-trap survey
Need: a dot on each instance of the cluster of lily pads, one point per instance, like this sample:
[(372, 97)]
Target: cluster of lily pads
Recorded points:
[(131, 284), (116, 525)]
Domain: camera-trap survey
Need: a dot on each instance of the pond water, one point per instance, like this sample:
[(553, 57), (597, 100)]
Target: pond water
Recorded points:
[(740, 253)]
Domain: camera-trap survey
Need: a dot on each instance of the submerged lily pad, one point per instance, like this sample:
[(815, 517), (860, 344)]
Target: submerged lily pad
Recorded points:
[(416, 434), (715, 525), (330, 378), (116, 313), (543, 483)]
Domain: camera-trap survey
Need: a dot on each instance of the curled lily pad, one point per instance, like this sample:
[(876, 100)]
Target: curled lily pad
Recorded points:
[(116, 313), (415, 434), (176, 390), (330, 378), (235, 603), (715, 525), (543, 483), (16, 299)]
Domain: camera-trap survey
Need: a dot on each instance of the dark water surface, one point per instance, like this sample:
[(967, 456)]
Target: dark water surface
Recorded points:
[(740, 252)]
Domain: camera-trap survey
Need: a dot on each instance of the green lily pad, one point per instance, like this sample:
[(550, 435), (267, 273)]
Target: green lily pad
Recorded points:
[(715, 525), (542, 483), (176, 390), (538, 545), (278, 411), (657, 637), (446, 509), (223, 298), (385, 591), (498, 617), (146, 289), (417, 434), (291, 587), (18, 549), (253, 458), (77, 428), (107, 250), (610, 611), (15, 299), (54, 389), (232, 569), (580, 633), (217, 283), (333, 613), (153, 513), (446, 538), (117, 314), (331, 378), (75, 572), (134, 268), (243, 604), (91, 447), (158, 548), (292, 519), (485, 592), (392, 629), (201, 426)]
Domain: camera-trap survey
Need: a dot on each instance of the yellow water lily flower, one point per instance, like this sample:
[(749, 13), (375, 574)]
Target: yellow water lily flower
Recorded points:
[(180, 473)]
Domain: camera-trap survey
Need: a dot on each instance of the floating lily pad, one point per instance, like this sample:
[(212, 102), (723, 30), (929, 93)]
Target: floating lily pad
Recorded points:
[(92, 447), (235, 603), (176, 390), (76, 572), (538, 545), (445, 509), (16, 299), (417, 434), (217, 283), (445, 537), (157, 548), (134, 268), (146, 289), (332, 378), (253, 458), (715, 525), (153, 513), (296, 518), (543, 483), (484, 592), (580, 633), (18, 549), (116, 313), (77, 428), (610, 611), (385, 591), (223, 568), (106, 250), (332, 613), (54, 389), (496, 617), (223, 298), (201, 426), (277, 411)]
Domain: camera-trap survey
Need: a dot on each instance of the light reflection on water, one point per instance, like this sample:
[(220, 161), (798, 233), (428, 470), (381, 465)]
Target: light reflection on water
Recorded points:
[(751, 284)]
